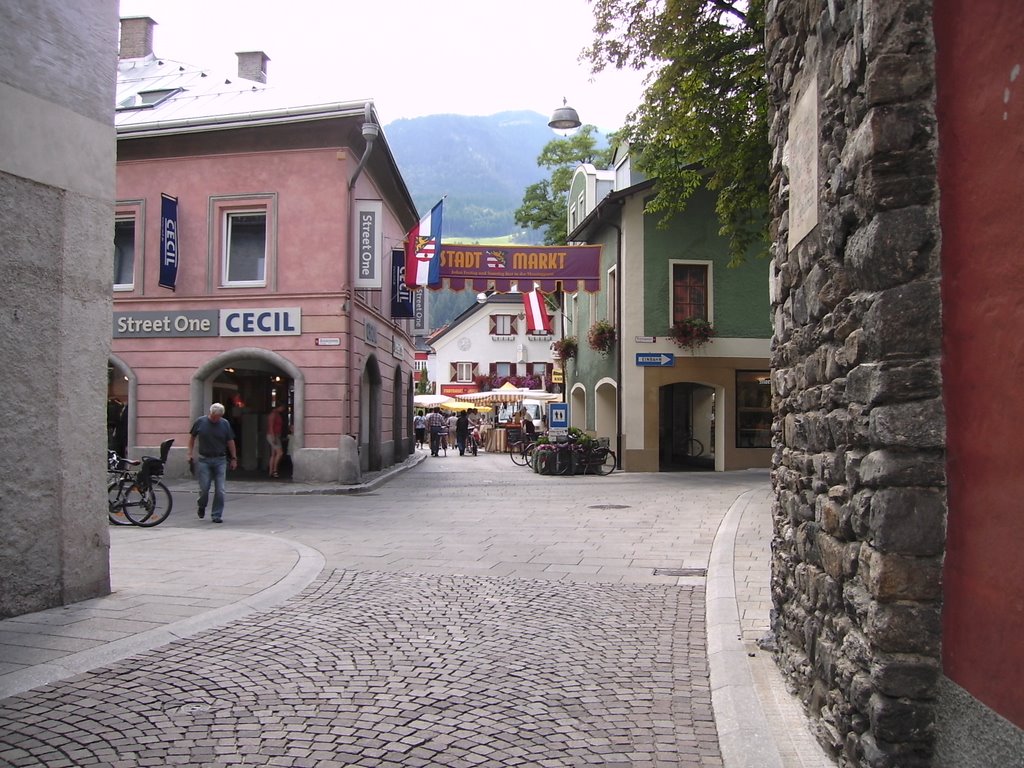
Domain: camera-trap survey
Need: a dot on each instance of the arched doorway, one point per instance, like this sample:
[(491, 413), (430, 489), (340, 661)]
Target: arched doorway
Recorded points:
[(686, 427), (578, 407), (249, 382), (370, 417), (605, 410), (121, 399)]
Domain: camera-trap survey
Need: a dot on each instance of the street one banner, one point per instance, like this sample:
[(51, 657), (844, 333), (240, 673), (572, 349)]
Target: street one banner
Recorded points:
[(368, 243), (168, 241), (550, 268)]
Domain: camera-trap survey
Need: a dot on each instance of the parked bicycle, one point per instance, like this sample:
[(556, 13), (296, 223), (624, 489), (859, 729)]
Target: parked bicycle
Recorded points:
[(694, 447), (520, 452), (138, 497)]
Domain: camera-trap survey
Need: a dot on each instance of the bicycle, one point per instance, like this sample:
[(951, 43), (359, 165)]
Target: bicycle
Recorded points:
[(694, 447), (520, 452), (138, 498), (599, 461)]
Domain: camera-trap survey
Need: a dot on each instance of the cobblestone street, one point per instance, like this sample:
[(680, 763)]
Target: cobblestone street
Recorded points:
[(544, 622), (377, 669)]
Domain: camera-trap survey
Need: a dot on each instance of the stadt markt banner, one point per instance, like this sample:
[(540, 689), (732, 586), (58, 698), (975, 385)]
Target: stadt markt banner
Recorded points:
[(485, 267)]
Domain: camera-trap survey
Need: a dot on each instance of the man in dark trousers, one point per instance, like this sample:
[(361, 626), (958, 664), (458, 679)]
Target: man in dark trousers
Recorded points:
[(435, 423), (216, 442)]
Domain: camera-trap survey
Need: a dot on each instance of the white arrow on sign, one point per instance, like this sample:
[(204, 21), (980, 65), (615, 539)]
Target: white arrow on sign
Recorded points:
[(655, 359)]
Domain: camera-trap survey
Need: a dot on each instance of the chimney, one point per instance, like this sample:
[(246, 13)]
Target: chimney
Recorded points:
[(252, 65), (136, 37)]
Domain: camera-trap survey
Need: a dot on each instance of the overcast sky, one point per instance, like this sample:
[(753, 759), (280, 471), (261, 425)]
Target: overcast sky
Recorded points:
[(412, 57)]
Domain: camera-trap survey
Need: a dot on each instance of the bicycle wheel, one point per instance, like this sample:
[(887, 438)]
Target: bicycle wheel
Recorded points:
[(531, 451), (518, 453), (608, 463), (150, 507), (695, 446), (115, 505)]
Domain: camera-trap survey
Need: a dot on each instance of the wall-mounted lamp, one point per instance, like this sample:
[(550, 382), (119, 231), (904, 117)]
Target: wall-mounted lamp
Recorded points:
[(564, 118)]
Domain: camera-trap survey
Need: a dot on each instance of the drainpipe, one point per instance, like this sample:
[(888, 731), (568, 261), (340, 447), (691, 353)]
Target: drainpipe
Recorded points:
[(370, 132), (618, 335)]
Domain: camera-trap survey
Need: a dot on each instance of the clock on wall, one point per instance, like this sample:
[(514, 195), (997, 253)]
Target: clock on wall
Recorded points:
[(464, 343)]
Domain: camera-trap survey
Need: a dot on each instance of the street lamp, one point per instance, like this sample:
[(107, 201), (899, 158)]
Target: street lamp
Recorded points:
[(564, 119)]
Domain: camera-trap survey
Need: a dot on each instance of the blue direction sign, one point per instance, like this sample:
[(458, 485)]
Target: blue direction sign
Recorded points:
[(655, 359)]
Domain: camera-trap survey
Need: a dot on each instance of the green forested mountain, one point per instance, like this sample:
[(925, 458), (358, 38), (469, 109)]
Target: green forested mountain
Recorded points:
[(483, 165)]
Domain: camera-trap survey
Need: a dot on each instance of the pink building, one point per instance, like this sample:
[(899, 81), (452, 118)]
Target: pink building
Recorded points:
[(253, 266)]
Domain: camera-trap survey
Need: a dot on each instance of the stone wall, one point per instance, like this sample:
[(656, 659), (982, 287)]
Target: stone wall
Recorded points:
[(859, 427), (57, 185)]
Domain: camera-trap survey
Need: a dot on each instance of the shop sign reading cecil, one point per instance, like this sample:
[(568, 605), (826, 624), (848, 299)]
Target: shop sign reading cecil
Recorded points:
[(274, 321)]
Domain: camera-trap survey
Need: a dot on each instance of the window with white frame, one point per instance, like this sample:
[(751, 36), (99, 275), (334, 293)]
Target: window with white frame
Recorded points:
[(124, 253), (612, 295), (463, 372), (245, 248), (420, 365), (690, 295), (503, 325)]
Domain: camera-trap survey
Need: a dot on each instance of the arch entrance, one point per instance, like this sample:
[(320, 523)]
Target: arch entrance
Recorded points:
[(249, 383), (686, 427)]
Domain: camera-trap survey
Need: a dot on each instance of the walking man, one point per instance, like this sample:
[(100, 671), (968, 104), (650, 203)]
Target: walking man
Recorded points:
[(216, 448), (435, 423)]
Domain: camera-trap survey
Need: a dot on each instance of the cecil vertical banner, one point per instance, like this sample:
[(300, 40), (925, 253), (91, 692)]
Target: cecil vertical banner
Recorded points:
[(401, 294), (368, 243), (168, 241)]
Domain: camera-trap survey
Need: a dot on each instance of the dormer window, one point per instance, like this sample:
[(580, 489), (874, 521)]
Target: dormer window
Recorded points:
[(146, 99)]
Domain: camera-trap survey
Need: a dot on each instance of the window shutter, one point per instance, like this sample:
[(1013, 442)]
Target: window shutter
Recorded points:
[(494, 325), (513, 322), (476, 370), (454, 373), (493, 368)]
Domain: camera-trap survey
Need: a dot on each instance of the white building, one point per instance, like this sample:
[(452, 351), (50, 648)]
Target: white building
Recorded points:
[(488, 344)]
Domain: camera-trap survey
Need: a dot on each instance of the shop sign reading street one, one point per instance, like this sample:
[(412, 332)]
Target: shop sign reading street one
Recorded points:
[(273, 321)]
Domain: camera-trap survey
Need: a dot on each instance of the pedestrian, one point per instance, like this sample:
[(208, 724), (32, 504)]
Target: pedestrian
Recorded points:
[(419, 423), (275, 431), (216, 446), (435, 423), (462, 432)]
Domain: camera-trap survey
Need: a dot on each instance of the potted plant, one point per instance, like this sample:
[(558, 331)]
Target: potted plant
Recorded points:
[(692, 332), (566, 349), (601, 337)]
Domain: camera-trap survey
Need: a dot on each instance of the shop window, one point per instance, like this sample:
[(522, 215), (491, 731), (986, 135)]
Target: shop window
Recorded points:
[(245, 248), (690, 295), (753, 409), (124, 253)]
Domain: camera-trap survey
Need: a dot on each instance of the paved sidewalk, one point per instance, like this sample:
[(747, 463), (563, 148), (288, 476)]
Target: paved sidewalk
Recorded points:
[(175, 584)]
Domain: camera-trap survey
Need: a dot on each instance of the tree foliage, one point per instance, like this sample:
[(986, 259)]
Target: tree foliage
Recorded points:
[(703, 118), (545, 203)]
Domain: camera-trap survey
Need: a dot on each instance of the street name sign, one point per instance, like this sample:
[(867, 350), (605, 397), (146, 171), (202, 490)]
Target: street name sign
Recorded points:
[(655, 359)]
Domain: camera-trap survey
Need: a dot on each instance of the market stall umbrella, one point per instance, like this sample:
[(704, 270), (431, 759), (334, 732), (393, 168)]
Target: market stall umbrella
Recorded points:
[(508, 393), (430, 400)]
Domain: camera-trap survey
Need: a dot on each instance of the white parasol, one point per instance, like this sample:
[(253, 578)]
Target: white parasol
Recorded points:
[(430, 400)]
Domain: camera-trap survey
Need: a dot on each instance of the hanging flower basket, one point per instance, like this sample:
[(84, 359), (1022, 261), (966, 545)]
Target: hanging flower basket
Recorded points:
[(566, 349), (692, 332), (601, 337)]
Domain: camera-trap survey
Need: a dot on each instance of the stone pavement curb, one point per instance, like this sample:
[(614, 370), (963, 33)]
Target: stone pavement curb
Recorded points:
[(744, 736), (307, 567)]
